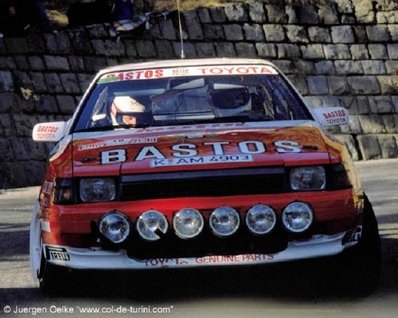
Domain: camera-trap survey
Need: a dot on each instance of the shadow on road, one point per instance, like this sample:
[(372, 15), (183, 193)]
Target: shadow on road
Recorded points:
[(171, 286)]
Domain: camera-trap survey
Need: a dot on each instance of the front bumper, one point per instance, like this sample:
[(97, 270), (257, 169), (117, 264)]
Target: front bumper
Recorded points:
[(99, 259)]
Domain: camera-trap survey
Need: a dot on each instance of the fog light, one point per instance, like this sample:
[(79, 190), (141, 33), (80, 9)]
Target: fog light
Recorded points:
[(188, 223), (114, 226), (297, 217), (224, 221), (150, 224), (260, 219)]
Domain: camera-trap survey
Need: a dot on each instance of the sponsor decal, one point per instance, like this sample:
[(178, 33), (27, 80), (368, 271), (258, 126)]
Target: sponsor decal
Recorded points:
[(131, 75), (187, 154), (236, 70), (45, 226), (114, 156), (187, 71), (118, 142), (48, 131), (332, 116), (208, 260), (180, 71), (287, 146), (353, 236), (47, 187), (246, 258), (336, 117), (57, 254)]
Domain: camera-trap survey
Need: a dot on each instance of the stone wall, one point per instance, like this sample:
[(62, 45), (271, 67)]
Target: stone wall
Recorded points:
[(341, 52)]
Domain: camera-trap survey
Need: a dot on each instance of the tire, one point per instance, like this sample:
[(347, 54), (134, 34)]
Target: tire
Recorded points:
[(51, 278), (35, 243), (358, 267), (54, 279)]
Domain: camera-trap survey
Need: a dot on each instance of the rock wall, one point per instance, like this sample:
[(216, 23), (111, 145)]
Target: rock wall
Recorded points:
[(338, 52)]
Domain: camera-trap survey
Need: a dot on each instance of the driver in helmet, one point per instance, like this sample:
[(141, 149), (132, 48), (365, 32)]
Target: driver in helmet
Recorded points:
[(230, 101), (125, 111)]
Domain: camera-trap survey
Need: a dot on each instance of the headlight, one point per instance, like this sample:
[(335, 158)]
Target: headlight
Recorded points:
[(97, 189), (260, 219), (224, 221), (114, 226), (188, 223), (297, 217), (308, 178), (150, 224)]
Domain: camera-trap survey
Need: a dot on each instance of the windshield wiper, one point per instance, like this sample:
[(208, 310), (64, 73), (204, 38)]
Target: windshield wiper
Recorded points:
[(104, 128)]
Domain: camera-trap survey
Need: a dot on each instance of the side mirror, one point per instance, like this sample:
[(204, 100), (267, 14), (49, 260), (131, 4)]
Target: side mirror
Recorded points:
[(331, 116), (49, 132)]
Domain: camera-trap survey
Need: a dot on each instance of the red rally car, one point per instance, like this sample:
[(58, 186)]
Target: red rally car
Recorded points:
[(191, 163)]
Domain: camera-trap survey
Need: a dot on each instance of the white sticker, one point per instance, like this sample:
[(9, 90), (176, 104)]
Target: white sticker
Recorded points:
[(118, 142), (210, 260), (331, 116), (187, 71), (45, 226), (200, 160), (51, 132)]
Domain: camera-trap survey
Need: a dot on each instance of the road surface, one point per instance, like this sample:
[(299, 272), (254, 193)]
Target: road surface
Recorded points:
[(197, 293)]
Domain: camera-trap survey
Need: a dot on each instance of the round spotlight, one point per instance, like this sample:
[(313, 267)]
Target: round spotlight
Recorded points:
[(188, 223), (297, 217), (224, 221), (260, 219), (150, 224), (114, 226)]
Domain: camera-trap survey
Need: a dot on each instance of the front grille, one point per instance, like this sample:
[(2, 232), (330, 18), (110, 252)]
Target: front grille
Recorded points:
[(207, 244), (203, 183)]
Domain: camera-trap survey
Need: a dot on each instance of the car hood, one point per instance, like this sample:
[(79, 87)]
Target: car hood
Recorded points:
[(197, 147)]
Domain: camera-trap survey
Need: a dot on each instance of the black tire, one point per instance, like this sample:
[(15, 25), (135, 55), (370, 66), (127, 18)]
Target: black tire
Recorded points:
[(53, 279), (358, 267)]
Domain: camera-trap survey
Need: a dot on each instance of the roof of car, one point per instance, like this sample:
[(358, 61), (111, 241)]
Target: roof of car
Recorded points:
[(184, 62)]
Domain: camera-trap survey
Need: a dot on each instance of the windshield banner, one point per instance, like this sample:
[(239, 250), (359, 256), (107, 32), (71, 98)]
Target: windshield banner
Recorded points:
[(187, 71)]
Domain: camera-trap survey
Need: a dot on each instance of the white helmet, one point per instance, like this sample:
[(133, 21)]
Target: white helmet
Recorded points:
[(230, 101), (124, 106)]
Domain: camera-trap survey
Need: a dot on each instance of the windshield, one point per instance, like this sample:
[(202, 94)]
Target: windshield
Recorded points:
[(120, 101)]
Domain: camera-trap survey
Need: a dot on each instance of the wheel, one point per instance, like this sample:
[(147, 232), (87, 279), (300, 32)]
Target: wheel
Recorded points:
[(51, 278), (35, 244), (358, 267)]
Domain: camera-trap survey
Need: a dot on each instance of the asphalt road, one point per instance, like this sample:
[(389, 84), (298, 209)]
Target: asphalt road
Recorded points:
[(286, 292)]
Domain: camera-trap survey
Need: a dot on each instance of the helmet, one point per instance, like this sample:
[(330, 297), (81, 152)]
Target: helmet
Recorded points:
[(124, 110), (230, 101)]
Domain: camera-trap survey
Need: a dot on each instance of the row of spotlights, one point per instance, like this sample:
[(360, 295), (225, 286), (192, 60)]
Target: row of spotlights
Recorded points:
[(224, 221)]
